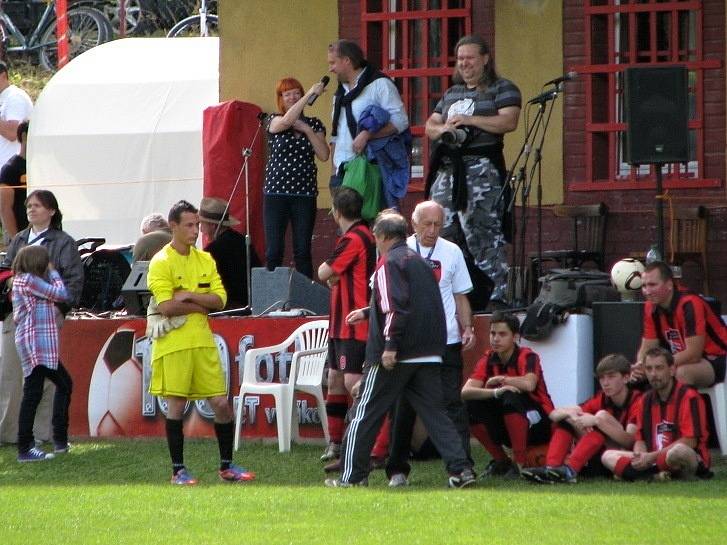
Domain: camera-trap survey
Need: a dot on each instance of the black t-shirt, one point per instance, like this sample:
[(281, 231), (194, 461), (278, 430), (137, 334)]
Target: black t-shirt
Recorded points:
[(228, 251), (12, 174)]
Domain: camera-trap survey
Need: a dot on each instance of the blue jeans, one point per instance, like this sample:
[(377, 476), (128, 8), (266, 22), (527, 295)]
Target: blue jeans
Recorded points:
[(300, 212)]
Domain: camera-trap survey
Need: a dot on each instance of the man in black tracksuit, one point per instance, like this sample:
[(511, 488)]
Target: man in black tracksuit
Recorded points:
[(407, 339)]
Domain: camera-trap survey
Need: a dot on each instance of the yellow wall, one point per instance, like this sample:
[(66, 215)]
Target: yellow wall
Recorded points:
[(265, 40), (529, 51)]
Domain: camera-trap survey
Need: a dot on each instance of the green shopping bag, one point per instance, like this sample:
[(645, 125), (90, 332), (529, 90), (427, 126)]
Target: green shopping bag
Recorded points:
[(365, 178)]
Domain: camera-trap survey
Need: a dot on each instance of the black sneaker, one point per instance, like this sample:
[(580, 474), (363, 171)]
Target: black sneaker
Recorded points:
[(536, 475), (563, 474), (466, 478), (496, 468)]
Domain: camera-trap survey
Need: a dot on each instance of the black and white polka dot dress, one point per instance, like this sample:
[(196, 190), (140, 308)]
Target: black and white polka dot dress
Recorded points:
[(291, 167)]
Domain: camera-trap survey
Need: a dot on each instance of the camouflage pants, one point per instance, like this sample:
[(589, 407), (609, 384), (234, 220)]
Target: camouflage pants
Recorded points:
[(480, 225)]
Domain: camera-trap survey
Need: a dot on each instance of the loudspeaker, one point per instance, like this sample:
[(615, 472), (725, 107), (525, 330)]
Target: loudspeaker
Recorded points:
[(285, 288), (617, 328), (134, 291), (657, 111)]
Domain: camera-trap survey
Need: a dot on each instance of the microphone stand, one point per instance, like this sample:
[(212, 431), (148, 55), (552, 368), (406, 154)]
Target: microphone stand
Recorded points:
[(538, 163), (524, 183), (246, 153)]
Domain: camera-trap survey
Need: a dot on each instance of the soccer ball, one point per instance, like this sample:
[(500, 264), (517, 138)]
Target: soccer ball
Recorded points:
[(114, 394), (626, 275)]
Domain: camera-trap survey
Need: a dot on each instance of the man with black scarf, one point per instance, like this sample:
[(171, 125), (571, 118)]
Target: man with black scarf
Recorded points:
[(359, 85), (467, 169)]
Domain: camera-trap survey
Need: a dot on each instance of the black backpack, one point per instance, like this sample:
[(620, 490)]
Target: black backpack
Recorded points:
[(561, 292)]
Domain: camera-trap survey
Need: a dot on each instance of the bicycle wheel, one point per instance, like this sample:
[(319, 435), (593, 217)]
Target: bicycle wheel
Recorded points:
[(87, 28), (139, 17), (189, 27)]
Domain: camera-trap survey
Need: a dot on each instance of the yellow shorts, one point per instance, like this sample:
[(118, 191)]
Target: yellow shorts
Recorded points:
[(195, 373)]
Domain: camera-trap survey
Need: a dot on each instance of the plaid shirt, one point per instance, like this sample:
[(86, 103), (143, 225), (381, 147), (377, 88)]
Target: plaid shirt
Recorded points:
[(36, 332)]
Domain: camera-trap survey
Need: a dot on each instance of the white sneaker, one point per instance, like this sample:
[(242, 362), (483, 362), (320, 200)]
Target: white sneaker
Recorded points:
[(398, 480)]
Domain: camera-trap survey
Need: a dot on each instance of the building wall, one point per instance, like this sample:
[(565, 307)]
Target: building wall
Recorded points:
[(262, 41), (529, 51), (632, 217)]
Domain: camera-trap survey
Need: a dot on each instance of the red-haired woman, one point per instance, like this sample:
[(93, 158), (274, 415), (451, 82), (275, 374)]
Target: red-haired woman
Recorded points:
[(294, 140)]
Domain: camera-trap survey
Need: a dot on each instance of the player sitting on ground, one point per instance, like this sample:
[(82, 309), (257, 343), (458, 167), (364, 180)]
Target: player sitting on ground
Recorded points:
[(671, 428), (608, 418), (507, 393)]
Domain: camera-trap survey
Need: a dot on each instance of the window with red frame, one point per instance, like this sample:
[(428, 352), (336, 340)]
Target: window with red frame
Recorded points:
[(412, 42), (620, 34)]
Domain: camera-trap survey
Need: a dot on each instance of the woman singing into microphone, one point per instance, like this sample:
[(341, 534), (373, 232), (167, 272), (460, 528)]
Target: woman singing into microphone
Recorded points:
[(290, 189)]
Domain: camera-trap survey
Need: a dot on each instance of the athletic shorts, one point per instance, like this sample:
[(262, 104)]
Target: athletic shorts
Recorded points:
[(346, 355), (719, 363), (195, 373)]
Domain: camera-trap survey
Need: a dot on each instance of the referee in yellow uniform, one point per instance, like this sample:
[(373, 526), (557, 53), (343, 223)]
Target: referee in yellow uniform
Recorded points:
[(185, 363)]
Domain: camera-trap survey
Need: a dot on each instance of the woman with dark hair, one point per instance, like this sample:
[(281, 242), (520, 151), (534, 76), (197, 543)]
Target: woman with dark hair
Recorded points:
[(291, 187), (45, 221), (467, 170)]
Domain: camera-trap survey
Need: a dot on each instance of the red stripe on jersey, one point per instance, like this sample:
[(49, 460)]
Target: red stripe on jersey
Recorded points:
[(683, 414), (688, 315), (521, 362), (625, 414), (353, 262)]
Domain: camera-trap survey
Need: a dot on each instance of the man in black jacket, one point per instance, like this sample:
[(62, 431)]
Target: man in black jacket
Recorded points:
[(407, 339)]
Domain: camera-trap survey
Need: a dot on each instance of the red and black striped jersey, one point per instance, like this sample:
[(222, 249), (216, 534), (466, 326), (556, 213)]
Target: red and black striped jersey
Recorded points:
[(688, 315), (522, 361), (683, 414), (625, 413), (353, 261)]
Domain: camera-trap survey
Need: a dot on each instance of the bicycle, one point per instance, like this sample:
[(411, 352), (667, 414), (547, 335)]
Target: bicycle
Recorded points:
[(205, 24), (87, 28)]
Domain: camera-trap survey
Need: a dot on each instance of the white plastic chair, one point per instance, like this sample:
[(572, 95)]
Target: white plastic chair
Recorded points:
[(718, 396), (310, 343)]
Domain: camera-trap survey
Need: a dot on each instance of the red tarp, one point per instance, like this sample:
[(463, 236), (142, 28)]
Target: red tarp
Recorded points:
[(227, 130)]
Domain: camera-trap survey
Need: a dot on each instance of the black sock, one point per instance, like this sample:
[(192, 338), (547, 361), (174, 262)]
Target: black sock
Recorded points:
[(632, 474), (175, 441), (225, 433)]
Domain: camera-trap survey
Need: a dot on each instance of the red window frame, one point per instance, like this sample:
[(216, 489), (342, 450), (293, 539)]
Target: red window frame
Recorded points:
[(413, 66), (611, 130)]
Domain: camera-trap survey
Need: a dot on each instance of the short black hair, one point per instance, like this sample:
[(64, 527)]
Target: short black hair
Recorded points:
[(390, 225), (507, 318), (175, 214), (660, 352), (665, 271), (4, 68), (348, 202), (350, 49)]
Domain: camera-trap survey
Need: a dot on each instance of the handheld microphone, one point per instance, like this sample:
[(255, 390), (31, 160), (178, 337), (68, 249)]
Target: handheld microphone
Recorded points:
[(313, 98), (565, 77)]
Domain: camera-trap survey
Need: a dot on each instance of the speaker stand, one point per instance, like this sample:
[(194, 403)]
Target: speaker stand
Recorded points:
[(660, 211)]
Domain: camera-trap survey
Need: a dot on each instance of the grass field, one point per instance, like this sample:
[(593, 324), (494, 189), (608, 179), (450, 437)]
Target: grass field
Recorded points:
[(118, 492)]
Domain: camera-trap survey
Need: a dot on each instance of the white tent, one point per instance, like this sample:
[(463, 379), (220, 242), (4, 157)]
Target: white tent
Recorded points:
[(117, 133)]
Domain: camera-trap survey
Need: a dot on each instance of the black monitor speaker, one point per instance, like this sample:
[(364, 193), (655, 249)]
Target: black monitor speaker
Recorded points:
[(285, 288), (656, 112), (617, 328), (135, 292)]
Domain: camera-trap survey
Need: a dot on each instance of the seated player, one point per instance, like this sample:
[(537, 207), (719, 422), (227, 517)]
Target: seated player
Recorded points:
[(507, 393), (608, 418), (683, 323), (671, 428)]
